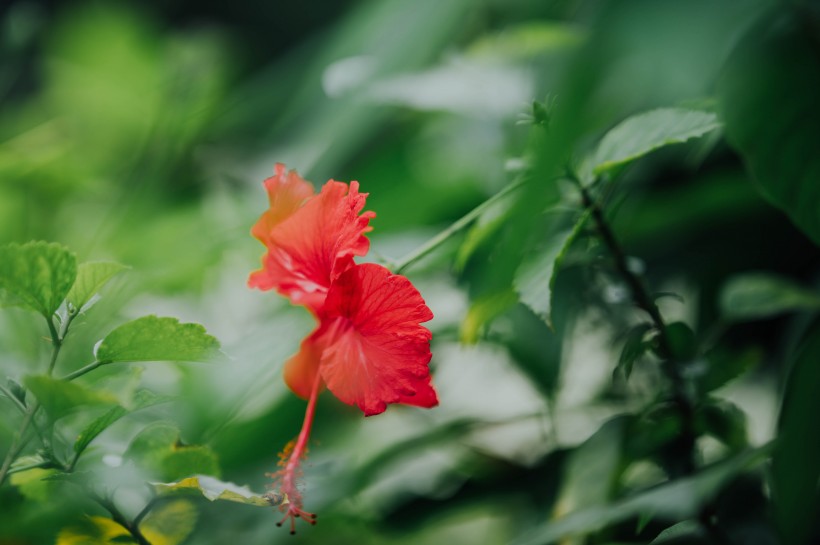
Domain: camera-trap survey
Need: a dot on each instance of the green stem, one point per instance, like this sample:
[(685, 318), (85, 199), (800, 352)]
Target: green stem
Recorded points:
[(642, 298), (83, 370), (57, 343), (119, 518), (463, 222)]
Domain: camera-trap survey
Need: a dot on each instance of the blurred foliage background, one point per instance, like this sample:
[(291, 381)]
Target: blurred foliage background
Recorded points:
[(141, 131)]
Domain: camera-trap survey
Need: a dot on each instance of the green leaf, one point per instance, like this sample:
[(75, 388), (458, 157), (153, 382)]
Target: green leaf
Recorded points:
[(592, 469), (678, 499), (760, 295), (157, 449), (641, 134), (157, 339), (216, 490), (796, 459), (526, 40), (634, 347), (36, 275), (724, 366), (17, 390), (143, 399), (59, 397), (768, 100), (169, 523), (535, 279), (91, 277)]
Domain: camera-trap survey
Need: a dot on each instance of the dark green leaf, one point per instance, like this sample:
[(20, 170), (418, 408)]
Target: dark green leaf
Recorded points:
[(36, 275), (796, 460), (768, 98), (722, 366), (17, 390), (724, 421), (644, 133), (682, 341), (760, 295), (157, 339), (91, 277), (634, 347), (678, 499), (535, 279), (214, 490), (59, 397)]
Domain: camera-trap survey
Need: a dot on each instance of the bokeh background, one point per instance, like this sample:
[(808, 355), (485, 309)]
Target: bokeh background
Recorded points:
[(141, 132)]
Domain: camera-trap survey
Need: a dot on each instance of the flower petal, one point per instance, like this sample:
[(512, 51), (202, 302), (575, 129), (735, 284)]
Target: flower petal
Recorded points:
[(311, 247), (375, 351), (287, 191), (300, 370)]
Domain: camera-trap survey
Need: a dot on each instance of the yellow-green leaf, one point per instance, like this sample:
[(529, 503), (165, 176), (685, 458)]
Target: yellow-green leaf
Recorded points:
[(36, 275), (94, 531), (169, 523), (151, 338), (215, 490)]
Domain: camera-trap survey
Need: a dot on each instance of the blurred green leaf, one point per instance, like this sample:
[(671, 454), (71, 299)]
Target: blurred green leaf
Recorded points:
[(641, 134), (17, 390), (33, 484), (535, 279), (94, 531), (59, 397), (157, 448), (36, 275), (796, 459), (723, 365), (169, 523), (91, 277), (634, 347), (157, 339), (686, 532), (526, 40), (214, 490), (483, 311), (760, 295), (724, 421), (592, 471), (678, 499), (768, 101)]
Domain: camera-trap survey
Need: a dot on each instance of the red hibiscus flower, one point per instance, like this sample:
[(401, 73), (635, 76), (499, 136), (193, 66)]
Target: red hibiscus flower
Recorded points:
[(369, 347)]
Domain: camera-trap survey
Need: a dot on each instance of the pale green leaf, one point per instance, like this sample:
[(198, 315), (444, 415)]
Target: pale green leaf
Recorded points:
[(535, 279), (36, 275), (151, 338), (158, 449), (91, 277), (216, 490), (688, 532), (761, 295), (526, 40), (169, 523), (58, 397), (641, 134)]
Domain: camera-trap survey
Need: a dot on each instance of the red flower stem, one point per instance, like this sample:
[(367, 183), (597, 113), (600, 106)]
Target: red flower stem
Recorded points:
[(301, 441)]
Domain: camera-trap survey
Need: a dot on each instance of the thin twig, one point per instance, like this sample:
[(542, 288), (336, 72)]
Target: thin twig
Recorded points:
[(119, 518)]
